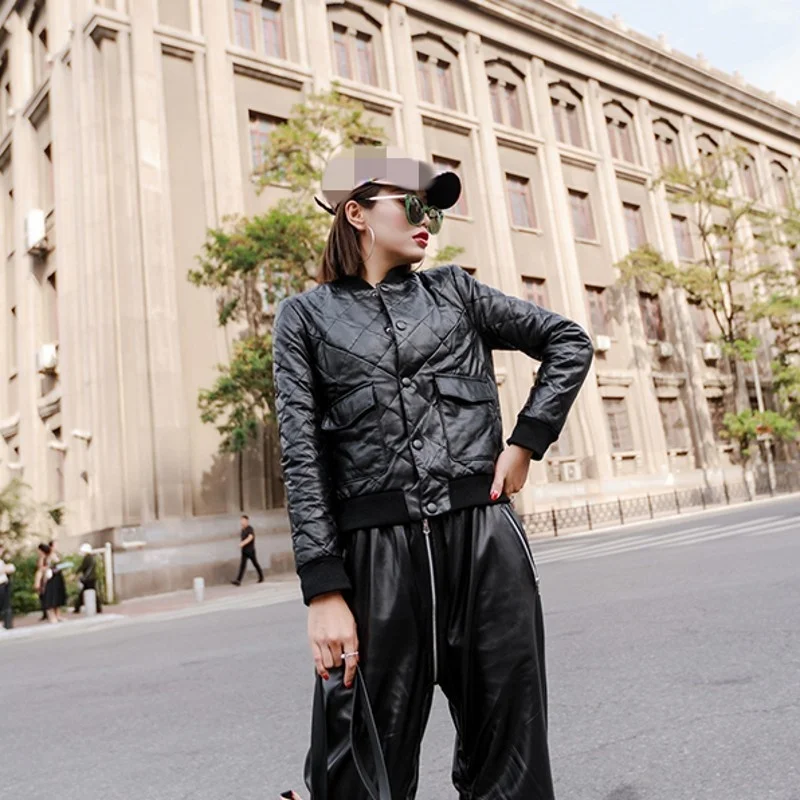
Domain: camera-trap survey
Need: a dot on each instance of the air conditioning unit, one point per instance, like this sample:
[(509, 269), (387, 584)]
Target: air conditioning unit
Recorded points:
[(47, 358), (602, 343), (711, 351), (666, 350), (35, 234), (571, 471)]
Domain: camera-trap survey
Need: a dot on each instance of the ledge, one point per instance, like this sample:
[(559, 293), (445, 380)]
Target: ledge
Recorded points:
[(283, 73), (10, 426), (447, 119), (49, 404)]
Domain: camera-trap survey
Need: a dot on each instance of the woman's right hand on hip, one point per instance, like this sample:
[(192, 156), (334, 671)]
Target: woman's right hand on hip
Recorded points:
[(332, 632)]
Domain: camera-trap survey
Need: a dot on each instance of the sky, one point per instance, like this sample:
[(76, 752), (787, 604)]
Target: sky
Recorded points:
[(760, 38)]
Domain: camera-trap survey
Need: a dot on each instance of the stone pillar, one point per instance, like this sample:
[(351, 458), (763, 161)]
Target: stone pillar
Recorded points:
[(228, 187), (589, 405), (706, 455), (406, 72), (645, 404), (169, 429), (501, 271)]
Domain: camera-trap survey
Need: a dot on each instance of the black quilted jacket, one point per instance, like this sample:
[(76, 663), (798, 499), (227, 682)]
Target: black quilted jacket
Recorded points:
[(387, 402)]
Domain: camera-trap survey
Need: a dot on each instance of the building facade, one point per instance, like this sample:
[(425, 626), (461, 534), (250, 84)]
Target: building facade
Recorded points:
[(129, 127)]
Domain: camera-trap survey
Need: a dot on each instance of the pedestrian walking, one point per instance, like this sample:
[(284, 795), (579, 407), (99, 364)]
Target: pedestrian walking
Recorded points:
[(247, 543), (412, 561), (87, 575)]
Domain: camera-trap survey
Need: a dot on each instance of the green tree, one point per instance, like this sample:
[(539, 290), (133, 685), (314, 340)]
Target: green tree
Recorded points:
[(746, 427), (253, 263), (22, 518), (738, 267)]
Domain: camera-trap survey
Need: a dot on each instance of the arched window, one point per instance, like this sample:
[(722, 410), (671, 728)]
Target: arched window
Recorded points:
[(437, 78), (506, 90), (706, 146), (780, 177), (258, 26), (666, 136), (619, 124), (357, 45), (567, 113), (749, 177)]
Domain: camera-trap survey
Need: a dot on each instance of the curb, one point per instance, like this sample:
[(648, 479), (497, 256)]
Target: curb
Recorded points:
[(644, 523), (44, 631)]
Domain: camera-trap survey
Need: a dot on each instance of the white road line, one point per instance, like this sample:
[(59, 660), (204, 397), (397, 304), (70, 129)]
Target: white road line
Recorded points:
[(735, 531), (790, 524), (610, 547), (589, 543), (668, 540)]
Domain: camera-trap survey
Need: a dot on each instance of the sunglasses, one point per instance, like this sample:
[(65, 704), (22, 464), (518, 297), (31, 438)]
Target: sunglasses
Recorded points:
[(416, 211)]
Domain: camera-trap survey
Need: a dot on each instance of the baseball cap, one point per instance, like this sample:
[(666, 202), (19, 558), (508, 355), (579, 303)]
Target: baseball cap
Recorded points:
[(391, 166)]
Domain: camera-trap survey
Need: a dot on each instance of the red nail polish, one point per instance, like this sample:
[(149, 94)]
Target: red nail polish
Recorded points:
[(494, 495)]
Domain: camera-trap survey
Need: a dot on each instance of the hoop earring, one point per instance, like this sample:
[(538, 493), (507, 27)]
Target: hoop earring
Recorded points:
[(372, 249)]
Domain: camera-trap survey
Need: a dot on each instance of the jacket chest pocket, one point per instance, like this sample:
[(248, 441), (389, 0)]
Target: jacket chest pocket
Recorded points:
[(470, 417), (353, 434)]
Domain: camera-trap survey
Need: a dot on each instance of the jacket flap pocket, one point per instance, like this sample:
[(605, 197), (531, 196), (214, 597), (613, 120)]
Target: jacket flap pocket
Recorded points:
[(467, 390), (348, 409)]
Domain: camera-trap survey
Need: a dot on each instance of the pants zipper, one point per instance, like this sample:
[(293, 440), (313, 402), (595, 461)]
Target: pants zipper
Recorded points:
[(426, 529), (524, 539)]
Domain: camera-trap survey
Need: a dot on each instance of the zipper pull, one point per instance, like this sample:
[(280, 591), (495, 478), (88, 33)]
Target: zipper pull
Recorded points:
[(426, 528)]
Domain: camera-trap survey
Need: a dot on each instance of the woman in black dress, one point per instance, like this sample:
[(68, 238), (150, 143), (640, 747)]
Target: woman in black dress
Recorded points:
[(411, 560), (52, 586)]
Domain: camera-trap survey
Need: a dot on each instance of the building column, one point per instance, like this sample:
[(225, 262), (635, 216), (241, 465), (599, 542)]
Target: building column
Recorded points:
[(170, 431), (406, 72), (515, 370), (645, 403), (589, 405), (706, 455), (228, 187)]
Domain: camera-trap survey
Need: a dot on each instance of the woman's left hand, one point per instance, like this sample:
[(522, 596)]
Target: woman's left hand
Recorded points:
[(510, 471)]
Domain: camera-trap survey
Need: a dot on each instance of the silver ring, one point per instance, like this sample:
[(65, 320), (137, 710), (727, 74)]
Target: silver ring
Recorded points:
[(349, 655)]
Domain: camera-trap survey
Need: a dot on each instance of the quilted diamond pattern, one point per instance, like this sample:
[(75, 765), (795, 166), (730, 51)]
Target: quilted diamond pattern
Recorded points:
[(406, 436)]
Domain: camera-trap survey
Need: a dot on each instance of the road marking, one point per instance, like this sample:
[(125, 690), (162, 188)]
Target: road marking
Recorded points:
[(673, 539), (630, 537), (788, 526), (734, 530), (611, 547)]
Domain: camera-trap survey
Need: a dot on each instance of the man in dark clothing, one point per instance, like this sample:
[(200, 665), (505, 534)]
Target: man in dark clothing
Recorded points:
[(248, 545), (87, 575)]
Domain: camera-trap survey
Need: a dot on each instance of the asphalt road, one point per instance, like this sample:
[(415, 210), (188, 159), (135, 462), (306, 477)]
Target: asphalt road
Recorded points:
[(673, 665)]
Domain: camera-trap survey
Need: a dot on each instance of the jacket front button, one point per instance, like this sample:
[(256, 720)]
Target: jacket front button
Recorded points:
[(406, 382), (431, 508), (417, 444), (401, 326)]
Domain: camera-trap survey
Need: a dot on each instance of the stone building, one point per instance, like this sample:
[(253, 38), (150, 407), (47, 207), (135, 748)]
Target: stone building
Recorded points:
[(127, 127)]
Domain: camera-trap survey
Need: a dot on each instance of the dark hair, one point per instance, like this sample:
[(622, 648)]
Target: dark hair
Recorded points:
[(244, 516), (342, 256), (45, 548)]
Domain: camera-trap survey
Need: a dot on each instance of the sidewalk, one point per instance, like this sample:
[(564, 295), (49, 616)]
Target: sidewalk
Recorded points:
[(277, 589)]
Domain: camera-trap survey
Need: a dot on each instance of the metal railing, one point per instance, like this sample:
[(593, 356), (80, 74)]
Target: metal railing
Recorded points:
[(662, 504)]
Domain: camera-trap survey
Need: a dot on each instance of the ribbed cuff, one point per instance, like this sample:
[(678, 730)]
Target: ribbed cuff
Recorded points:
[(532, 435), (322, 575)]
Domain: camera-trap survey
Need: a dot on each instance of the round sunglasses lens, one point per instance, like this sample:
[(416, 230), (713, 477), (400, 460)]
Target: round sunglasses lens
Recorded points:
[(436, 218), (414, 209)]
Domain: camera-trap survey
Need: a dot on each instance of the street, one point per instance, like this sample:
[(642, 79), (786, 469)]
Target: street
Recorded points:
[(673, 661)]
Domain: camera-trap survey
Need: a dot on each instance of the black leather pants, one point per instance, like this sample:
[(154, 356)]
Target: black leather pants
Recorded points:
[(452, 601)]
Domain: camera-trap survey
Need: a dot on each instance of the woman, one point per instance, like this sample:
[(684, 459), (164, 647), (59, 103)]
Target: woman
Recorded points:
[(49, 583), (411, 560)]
